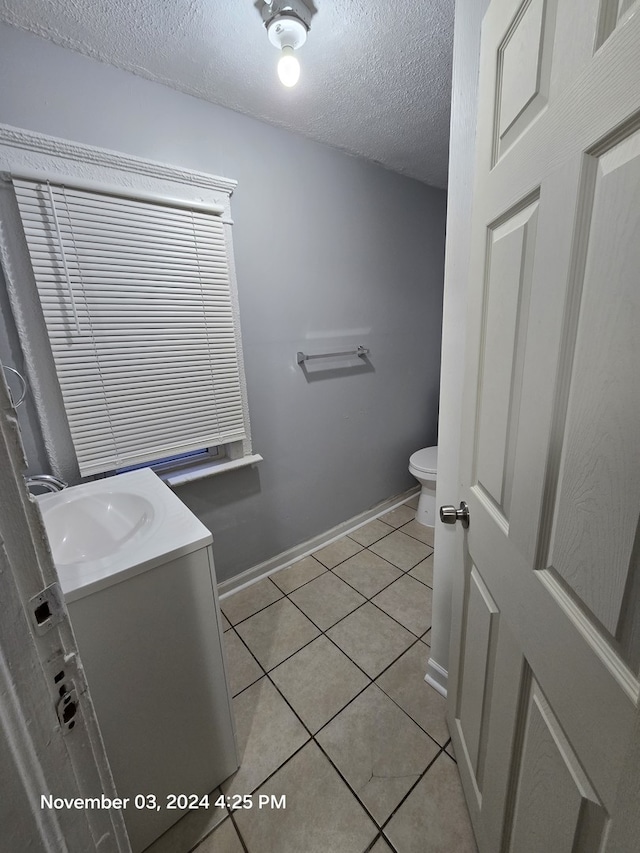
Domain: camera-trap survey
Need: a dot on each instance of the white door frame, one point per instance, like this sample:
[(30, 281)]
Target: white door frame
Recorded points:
[(41, 755), (449, 541)]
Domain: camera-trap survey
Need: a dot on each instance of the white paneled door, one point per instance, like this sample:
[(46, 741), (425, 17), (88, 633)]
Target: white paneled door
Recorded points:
[(546, 627)]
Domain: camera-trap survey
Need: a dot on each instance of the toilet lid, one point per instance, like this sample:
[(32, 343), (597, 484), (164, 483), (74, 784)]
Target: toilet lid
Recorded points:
[(425, 460)]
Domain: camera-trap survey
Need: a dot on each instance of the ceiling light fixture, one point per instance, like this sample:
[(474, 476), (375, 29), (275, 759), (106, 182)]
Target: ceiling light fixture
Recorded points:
[(287, 23)]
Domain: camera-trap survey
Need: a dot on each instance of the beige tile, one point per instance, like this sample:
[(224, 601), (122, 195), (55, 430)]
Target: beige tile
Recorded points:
[(424, 571), (295, 575), (318, 682), (404, 683), (268, 732), (450, 750), (190, 829), (337, 552), (378, 749), (225, 623), (426, 638), (399, 516), (371, 532), (326, 599), (367, 572), (223, 840), (321, 815), (419, 531), (434, 816), (409, 602), (370, 638), (403, 551), (414, 501), (248, 601), (277, 632), (243, 669)]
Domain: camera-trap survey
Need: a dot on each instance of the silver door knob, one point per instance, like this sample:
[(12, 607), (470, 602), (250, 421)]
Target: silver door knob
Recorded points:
[(449, 514)]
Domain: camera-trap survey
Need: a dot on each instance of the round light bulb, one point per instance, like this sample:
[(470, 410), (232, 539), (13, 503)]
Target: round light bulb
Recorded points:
[(288, 67)]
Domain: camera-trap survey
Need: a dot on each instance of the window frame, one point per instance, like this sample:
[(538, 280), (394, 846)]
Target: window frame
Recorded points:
[(35, 156)]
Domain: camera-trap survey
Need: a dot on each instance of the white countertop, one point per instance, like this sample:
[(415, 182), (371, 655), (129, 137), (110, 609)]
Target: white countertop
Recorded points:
[(168, 532)]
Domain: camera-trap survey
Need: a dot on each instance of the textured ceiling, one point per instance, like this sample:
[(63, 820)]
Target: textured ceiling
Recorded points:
[(375, 75)]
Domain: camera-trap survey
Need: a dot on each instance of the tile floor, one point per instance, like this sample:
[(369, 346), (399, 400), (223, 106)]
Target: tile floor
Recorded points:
[(327, 660)]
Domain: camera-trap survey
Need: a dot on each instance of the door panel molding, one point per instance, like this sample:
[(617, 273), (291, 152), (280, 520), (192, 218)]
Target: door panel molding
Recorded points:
[(524, 59), (476, 679), (555, 806)]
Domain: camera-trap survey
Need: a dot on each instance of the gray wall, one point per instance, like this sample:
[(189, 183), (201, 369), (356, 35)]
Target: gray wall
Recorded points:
[(329, 250)]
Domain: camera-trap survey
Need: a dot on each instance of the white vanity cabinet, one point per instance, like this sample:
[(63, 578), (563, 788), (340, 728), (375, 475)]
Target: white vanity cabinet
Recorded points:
[(149, 634)]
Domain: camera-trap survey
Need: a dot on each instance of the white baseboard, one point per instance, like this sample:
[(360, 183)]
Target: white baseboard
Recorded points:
[(437, 677), (286, 558)]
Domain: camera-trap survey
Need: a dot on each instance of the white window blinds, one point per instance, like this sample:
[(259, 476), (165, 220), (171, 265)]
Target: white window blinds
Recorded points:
[(137, 303)]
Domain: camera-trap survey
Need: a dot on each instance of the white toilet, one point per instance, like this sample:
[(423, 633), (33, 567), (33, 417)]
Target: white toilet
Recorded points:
[(423, 464)]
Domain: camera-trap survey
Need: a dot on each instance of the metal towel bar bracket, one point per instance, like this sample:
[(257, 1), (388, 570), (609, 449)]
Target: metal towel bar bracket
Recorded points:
[(359, 351)]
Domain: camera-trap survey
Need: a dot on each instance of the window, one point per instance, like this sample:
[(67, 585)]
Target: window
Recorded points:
[(137, 300)]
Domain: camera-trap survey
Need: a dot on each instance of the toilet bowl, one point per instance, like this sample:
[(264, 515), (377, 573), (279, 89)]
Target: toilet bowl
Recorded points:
[(423, 464)]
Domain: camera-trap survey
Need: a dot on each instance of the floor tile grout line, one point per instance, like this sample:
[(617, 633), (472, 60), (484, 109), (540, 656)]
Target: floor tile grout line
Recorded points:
[(375, 841), (404, 571), (331, 640), (380, 590), (387, 841), (377, 838), (289, 758), (211, 831), (331, 569), (371, 680), (348, 536), (311, 739), (288, 596), (208, 834), (234, 695), (262, 669), (312, 735), (349, 786), (325, 634), (267, 671), (397, 704), (407, 523), (409, 792), (238, 833), (277, 571), (384, 536), (260, 609), (419, 581), (370, 600)]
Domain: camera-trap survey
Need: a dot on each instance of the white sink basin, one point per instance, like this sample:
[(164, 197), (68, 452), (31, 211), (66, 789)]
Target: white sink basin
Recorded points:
[(90, 527), (108, 530)]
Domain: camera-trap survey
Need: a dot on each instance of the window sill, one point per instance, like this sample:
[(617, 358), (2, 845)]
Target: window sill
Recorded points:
[(206, 469)]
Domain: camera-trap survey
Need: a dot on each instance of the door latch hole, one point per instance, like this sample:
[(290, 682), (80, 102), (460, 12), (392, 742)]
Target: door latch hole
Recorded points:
[(42, 612)]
